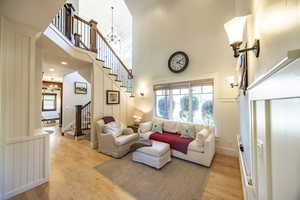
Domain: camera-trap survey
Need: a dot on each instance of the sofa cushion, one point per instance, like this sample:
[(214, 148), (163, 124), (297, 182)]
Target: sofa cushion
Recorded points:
[(170, 126), (187, 131), (145, 127), (114, 128), (125, 139), (176, 142), (157, 127), (157, 149)]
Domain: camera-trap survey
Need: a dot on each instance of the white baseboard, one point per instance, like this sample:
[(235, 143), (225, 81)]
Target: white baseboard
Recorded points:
[(25, 188), (227, 151)]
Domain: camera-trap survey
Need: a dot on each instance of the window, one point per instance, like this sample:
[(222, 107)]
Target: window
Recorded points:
[(49, 102), (186, 102)]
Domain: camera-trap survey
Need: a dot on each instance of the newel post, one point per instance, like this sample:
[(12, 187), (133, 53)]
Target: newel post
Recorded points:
[(69, 13), (77, 39), (78, 131), (93, 36)]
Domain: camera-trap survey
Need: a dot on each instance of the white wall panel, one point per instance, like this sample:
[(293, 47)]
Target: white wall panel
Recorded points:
[(101, 83), (24, 159), (26, 163)]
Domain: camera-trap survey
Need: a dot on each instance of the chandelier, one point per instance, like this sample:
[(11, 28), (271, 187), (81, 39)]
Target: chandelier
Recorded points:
[(113, 37)]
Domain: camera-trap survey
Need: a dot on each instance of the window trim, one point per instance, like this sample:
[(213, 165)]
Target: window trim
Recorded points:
[(55, 102), (211, 79)]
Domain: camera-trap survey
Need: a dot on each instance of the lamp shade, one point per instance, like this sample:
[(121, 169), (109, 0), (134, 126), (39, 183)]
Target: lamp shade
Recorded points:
[(231, 79), (137, 115), (235, 29)]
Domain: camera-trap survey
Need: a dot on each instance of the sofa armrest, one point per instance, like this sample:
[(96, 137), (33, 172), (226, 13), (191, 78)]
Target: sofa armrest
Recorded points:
[(106, 142), (145, 127), (209, 145), (127, 131)]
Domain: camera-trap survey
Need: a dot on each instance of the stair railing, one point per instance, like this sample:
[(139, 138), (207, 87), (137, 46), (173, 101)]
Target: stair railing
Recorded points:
[(82, 119), (86, 35)]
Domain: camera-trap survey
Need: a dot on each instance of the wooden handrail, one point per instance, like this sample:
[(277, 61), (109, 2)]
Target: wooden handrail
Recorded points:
[(80, 19), (88, 103), (104, 39), (113, 51)]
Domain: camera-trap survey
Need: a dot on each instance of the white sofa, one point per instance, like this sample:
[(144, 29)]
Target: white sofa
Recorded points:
[(201, 150)]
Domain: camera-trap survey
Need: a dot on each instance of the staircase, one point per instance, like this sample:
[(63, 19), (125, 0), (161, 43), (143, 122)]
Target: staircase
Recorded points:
[(85, 35), (81, 126)]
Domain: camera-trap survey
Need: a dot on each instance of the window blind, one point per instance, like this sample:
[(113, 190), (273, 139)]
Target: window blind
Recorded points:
[(185, 84)]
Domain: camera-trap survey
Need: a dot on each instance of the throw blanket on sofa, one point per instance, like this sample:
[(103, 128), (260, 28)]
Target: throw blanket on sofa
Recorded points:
[(176, 142)]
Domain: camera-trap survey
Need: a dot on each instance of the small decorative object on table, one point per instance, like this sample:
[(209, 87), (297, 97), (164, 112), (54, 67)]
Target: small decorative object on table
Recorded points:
[(134, 127)]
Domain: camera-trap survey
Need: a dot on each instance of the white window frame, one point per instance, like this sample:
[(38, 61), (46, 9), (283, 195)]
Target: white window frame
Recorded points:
[(190, 101)]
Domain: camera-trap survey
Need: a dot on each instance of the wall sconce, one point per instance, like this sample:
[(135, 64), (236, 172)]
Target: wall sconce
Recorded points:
[(232, 81), (235, 30)]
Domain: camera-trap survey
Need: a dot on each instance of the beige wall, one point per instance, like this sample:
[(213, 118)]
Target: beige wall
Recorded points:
[(196, 27), (277, 24)]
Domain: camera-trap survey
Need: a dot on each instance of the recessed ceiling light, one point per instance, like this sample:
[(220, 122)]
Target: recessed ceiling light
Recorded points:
[(64, 63), (51, 69)]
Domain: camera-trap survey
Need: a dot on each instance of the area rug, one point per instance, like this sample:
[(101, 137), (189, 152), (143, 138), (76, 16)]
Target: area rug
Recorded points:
[(178, 180)]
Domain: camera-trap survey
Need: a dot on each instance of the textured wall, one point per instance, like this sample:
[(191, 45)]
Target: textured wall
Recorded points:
[(196, 27)]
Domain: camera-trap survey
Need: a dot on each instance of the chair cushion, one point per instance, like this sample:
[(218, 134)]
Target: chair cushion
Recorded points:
[(114, 128), (125, 139), (108, 119), (157, 149)]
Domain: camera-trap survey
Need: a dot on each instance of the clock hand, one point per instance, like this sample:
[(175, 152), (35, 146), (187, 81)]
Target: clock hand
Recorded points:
[(179, 61)]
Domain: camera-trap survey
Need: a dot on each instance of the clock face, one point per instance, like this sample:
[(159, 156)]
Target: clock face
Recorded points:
[(178, 62)]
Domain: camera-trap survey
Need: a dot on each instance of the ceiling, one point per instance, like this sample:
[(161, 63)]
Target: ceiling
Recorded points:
[(31, 12), (52, 66)]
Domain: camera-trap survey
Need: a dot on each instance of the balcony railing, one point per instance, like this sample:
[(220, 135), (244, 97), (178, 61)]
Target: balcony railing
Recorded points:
[(86, 35)]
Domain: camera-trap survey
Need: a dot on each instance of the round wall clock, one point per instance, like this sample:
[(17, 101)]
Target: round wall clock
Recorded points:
[(178, 62)]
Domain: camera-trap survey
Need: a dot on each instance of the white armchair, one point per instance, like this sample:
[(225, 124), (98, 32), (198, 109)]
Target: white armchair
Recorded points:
[(115, 145)]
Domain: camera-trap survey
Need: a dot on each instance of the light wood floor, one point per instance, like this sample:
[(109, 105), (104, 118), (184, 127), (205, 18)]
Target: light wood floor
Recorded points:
[(73, 176)]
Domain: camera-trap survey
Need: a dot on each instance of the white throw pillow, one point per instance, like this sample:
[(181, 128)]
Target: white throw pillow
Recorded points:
[(145, 127), (187, 131), (114, 128), (170, 126), (201, 136)]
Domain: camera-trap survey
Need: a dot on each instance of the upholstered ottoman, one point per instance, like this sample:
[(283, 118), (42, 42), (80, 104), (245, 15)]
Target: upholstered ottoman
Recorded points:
[(156, 155)]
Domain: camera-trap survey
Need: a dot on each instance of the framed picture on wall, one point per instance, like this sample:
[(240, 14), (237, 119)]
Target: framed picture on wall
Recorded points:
[(112, 97), (80, 88)]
